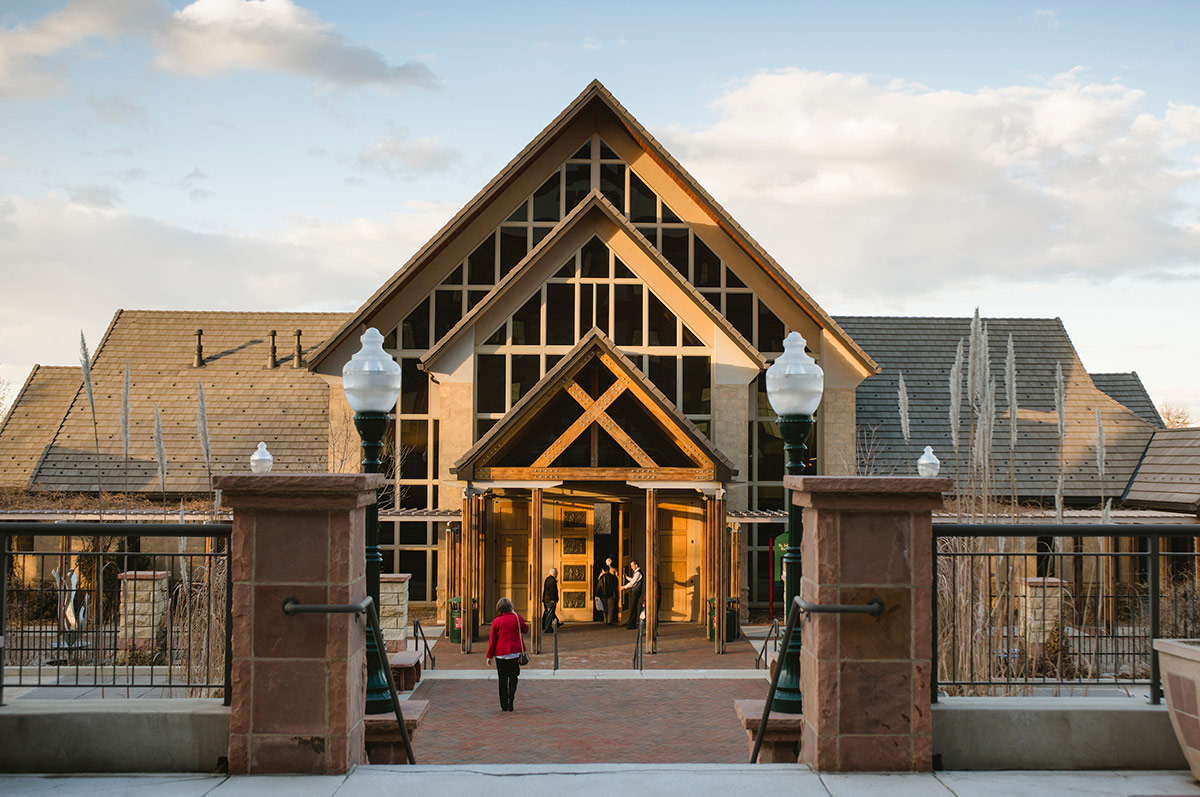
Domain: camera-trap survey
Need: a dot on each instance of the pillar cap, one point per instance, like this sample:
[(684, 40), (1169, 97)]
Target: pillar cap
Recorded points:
[(253, 490), (869, 491)]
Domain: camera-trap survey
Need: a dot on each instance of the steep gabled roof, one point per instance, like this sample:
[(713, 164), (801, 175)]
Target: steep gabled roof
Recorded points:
[(33, 419), (595, 344), (1128, 389), (1169, 475), (923, 349), (246, 401), (595, 96), (594, 203)]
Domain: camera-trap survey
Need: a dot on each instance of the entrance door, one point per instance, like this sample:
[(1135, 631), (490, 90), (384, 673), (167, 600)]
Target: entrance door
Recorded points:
[(512, 553), (575, 576), (678, 565)]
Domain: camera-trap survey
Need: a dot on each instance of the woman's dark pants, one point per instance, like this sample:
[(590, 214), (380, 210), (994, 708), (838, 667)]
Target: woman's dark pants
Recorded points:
[(508, 670)]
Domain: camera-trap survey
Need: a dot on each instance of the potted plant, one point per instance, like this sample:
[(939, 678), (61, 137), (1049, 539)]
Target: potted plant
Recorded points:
[(1179, 663)]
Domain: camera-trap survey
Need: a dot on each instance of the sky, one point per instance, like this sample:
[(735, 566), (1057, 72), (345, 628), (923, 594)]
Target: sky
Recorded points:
[(898, 159)]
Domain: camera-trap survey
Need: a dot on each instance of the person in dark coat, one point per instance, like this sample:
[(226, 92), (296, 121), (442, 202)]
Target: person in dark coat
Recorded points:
[(505, 646), (636, 584), (549, 601), (607, 588)]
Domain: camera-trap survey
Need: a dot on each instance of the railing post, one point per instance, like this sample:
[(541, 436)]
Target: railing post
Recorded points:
[(1155, 620)]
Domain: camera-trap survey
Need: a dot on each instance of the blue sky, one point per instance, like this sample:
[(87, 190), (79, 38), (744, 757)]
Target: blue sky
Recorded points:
[(1035, 160)]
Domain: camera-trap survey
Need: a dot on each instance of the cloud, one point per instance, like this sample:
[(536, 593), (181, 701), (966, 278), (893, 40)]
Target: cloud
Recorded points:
[(211, 37), (69, 265), (1047, 17), (863, 189), (100, 196), (26, 68), (203, 39), (397, 155), (117, 110)]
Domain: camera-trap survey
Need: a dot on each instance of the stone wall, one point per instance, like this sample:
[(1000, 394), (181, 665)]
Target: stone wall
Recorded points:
[(393, 609), (144, 602)]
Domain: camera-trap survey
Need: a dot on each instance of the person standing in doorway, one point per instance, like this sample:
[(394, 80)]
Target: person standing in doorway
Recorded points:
[(607, 588), (637, 589), (549, 601), (505, 646)]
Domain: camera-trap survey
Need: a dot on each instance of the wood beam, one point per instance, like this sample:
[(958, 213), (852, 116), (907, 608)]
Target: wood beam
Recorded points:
[(642, 475), (592, 409), (535, 571), (650, 568)]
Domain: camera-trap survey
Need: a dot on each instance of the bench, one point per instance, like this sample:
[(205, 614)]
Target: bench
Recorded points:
[(406, 669), (781, 740), (384, 743)]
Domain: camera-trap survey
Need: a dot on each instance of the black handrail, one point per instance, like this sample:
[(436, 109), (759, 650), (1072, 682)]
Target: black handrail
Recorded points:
[(554, 625), (873, 607), (637, 645), (760, 661), (365, 606), (418, 631)]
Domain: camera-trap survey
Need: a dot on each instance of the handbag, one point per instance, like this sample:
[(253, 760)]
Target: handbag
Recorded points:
[(523, 659), (599, 603)]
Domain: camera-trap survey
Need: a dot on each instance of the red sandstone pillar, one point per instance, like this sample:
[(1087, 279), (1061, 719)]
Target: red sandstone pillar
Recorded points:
[(865, 680), (298, 681)]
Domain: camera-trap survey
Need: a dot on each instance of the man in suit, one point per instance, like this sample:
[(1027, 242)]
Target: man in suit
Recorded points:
[(607, 588), (636, 585), (549, 601)]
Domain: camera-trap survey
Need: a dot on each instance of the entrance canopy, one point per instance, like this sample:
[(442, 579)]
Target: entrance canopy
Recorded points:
[(595, 417)]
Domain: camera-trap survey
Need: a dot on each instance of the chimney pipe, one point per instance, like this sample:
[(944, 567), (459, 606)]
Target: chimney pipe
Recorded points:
[(298, 360), (199, 361), (272, 362)]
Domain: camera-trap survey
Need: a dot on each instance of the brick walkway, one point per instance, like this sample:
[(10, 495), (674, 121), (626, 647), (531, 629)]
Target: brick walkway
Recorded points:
[(559, 722), (681, 646)]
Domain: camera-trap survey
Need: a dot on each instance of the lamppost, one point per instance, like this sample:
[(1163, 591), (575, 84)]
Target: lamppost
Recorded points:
[(794, 386), (372, 383)]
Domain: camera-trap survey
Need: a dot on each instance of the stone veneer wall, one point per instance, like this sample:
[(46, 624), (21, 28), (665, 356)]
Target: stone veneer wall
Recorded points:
[(393, 609), (144, 602)]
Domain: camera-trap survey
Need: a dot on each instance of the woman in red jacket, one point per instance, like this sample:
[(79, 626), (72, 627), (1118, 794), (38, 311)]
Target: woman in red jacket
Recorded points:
[(505, 646)]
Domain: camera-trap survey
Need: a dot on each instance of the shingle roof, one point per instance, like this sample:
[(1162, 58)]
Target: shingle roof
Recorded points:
[(33, 419), (1169, 476), (924, 350), (1129, 390), (246, 401)]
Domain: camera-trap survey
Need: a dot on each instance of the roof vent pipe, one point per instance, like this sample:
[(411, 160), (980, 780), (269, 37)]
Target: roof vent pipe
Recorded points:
[(272, 361), (298, 360), (199, 361)]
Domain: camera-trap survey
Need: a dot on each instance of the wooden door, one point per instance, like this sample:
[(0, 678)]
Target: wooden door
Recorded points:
[(678, 576), (574, 555), (512, 553)]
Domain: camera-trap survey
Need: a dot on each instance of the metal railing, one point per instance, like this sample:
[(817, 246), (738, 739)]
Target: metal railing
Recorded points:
[(637, 644), (799, 605), (365, 606), (554, 625), (430, 662), (132, 609), (760, 661), (1051, 609)]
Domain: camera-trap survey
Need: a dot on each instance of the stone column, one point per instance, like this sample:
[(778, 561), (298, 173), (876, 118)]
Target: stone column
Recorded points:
[(393, 609), (144, 603), (298, 687), (865, 681)]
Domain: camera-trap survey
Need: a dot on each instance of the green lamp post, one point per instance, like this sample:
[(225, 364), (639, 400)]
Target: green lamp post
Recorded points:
[(372, 383), (794, 386)]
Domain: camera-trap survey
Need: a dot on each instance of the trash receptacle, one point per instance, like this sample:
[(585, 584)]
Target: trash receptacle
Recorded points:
[(732, 628), (712, 619), (456, 619)]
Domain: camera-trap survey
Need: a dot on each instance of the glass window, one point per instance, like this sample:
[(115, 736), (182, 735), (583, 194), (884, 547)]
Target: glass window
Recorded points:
[(387, 535), (414, 449), (675, 248), (770, 330), (527, 323), (567, 271), (414, 496), (770, 497), (414, 563), (731, 279), (579, 182), (662, 324), (552, 360), (526, 370), (413, 533), (483, 425), (706, 266), (739, 309), (545, 200), (620, 270), (490, 391), (414, 332), (690, 338), (586, 320), (627, 314), (391, 339), (612, 184), (602, 296), (414, 387), (481, 265), (594, 259), (521, 213), (669, 216), (770, 452), (651, 234), (512, 248), (474, 298), (455, 277), (606, 153), (665, 377), (497, 337), (584, 152), (447, 311), (643, 203), (560, 314), (539, 232), (697, 386)]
